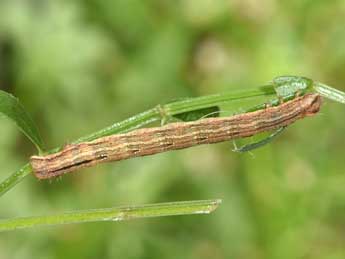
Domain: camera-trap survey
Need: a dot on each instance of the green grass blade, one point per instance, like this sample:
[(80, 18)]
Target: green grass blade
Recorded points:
[(185, 106), (14, 110), (15, 178), (113, 214), (192, 104), (329, 92), (131, 123)]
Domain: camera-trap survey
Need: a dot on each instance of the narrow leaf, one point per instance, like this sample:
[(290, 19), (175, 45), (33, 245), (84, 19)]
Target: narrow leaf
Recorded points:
[(114, 214), (329, 92), (14, 110)]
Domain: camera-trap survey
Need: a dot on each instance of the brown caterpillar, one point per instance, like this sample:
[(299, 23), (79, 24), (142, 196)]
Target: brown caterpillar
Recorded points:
[(149, 141)]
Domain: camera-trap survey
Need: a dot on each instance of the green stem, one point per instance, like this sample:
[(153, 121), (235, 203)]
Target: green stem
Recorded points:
[(15, 178), (131, 123), (213, 100), (329, 92), (162, 112), (113, 214)]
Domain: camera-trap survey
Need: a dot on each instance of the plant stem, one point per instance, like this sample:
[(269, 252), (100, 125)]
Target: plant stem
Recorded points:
[(329, 92), (15, 178), (131, 123), (202, 102), (163, 112), (114, 214)]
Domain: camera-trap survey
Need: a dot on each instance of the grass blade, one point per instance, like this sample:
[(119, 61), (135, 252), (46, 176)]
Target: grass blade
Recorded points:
[(15, 178), (114, 214), (14, 110), (329, 92)]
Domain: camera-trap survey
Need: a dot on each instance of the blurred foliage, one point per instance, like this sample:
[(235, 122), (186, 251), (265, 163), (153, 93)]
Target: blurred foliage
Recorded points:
[(79, 66)]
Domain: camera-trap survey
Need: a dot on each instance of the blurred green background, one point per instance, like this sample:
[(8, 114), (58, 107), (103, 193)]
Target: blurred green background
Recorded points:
[(79, 66)]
